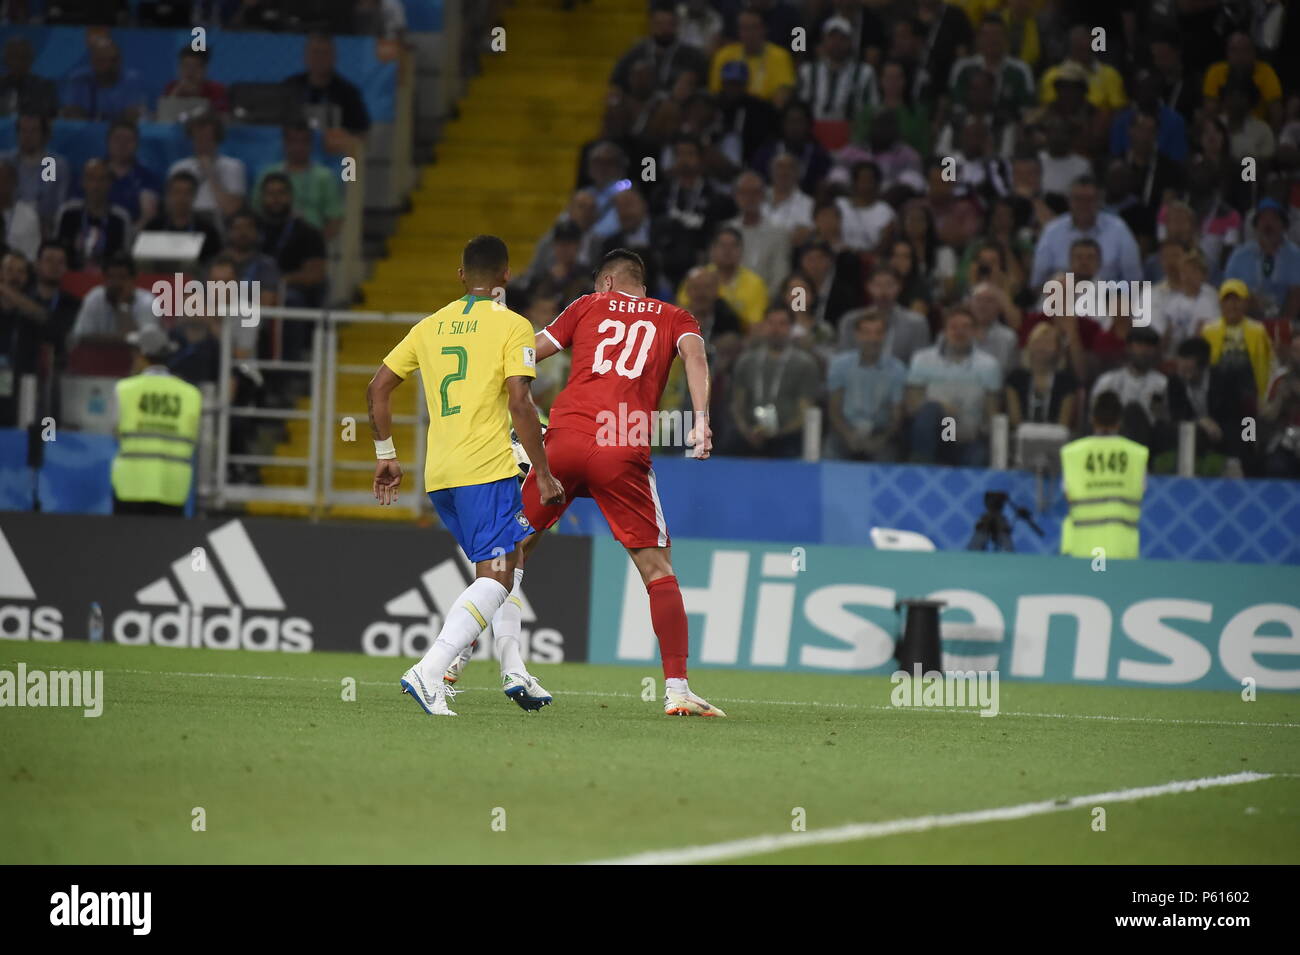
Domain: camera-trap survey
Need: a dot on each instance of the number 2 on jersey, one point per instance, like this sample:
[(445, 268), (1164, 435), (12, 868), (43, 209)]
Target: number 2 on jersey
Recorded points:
[(462, 361), (640, 337)]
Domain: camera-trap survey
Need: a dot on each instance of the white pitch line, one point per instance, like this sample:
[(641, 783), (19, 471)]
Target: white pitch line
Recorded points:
[(744, 701), (857, 831)]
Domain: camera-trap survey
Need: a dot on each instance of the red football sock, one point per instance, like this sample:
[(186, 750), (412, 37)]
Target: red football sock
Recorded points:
[(668, 616)]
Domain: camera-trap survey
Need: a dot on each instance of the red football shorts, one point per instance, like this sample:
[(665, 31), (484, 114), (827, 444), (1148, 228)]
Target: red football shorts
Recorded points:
[(619, 479)]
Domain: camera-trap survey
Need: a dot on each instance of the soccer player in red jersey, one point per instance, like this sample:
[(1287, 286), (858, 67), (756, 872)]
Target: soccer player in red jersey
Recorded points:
[(598, 442)]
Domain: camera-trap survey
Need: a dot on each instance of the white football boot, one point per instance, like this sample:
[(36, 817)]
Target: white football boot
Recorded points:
[(433, 700), (524, 689), (457, 666), (686, 703)]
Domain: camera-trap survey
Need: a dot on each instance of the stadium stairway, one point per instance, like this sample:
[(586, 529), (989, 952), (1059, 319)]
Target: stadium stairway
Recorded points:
[(505, 165)]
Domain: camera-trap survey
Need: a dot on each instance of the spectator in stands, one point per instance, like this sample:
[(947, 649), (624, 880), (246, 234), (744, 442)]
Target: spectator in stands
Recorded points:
[(744, 123), (223, 180), (1242, 60), (43, 175), (321, 85), (1178, 91), (702, 299), (1189, 303), (906, 332), (636, 231), (867, 219), (21, 90), (987, 305), (912, 117), (1120, 258), (135, 187), (92, 227), (771, 69), (935, 261), (773, 387), (1105, 85), (1061, 165), (243, 246), (21, 327), (179, 215), (1240, 345), (836, 281), (981, 107), (1014, 79), (699, 25), (836, 84), (20, 224), (581, 212), (565, 278), (796, 140), (866, 395), (958, 215), (1153, 177), (192, 81), (687, 209), (1281, 411), (1043, 390), (668, 54), (980, 170), (916, 294), (114, 309), (1248, 135), (1171, 129), (952, 394), (297, 247), (104, 90), (1203, 394), (740, 287), (943, 33), (1269, 264), (61, 308), (1143, 391), (604, 172), (766, 245), (382, 18), (786, 205), (317, 191)]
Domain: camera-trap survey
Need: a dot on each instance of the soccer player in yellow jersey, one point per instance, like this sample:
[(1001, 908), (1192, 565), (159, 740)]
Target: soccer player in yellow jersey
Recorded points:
[(477, 360)]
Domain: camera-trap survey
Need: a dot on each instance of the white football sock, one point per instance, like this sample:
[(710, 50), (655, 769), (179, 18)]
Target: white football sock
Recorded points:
[(506, 627), (676, 683), (468, 617)]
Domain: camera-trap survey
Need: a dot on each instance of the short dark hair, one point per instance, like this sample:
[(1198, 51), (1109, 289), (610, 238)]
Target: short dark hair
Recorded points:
[(40, 118), (1086, 242), (119, 260), (728, 230), (122, 123), (1107, 410), (277, 177), (870, 315), (1197, 348), (224, 259), (485, 255), (623, 260), (243, 213), (52, 244), (1142, 335), (184, 175)]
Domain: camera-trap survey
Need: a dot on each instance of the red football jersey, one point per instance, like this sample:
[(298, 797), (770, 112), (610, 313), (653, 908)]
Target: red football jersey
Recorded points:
[(622, 347)]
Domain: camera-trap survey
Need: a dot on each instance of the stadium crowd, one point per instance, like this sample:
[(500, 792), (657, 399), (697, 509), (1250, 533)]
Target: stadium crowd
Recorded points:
[(867, 204)]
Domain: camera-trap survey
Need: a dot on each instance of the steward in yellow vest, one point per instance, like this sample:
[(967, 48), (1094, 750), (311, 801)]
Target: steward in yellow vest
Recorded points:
[(157, 430), (1104, 477)]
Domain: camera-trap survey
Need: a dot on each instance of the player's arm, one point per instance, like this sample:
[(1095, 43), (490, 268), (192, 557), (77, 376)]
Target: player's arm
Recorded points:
[(545, 346), (388, 473), (691, 348), (523, 415)]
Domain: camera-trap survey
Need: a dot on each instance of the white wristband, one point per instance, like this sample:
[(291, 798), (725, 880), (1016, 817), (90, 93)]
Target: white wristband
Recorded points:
[(384, 450)]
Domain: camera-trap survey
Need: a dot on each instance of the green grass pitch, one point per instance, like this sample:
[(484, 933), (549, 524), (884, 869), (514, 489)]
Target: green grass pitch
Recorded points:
[(287, 771)]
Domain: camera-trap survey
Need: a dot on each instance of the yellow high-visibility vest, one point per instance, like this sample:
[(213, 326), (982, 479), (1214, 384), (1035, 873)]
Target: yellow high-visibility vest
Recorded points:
[(1104, 478), (157, 427)]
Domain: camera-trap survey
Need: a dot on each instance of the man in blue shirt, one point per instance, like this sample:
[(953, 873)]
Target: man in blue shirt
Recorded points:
[(1269, 264), (104, 90), (952, 395), (1171, 133), (866, 395), (1120, 258)]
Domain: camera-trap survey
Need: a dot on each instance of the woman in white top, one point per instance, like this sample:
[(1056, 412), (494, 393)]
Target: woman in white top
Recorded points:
[(1190, 303), (867, 219)]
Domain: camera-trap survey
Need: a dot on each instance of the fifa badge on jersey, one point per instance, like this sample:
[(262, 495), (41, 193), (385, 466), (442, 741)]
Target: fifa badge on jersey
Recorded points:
[(530, 357), (523, 521)]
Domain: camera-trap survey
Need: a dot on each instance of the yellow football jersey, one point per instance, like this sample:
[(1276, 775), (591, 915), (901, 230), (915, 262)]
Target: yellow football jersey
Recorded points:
[(465, 352)]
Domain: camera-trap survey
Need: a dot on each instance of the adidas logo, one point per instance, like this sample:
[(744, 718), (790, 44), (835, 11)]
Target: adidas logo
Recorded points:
[(22, 621), (211, 611), (427, 603)]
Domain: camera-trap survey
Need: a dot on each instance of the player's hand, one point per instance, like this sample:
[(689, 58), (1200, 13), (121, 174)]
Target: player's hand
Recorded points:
[(549, 490), (701, 438), (388, 475)]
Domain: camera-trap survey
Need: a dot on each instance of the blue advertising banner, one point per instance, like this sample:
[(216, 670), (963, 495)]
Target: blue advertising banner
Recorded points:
[(1051, 619)]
